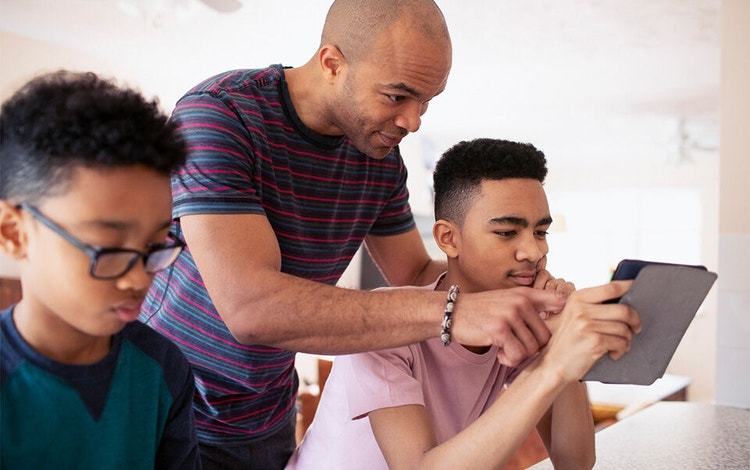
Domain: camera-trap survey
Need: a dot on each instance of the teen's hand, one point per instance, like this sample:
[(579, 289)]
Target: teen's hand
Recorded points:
[(544, 280), (558, 284), (587, 329)]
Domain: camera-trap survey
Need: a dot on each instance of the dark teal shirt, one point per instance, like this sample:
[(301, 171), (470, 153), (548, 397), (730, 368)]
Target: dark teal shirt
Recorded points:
[(131, 410)]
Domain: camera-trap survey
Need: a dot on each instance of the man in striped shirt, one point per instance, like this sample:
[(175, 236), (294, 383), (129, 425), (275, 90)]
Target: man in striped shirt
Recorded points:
[(290, 170)]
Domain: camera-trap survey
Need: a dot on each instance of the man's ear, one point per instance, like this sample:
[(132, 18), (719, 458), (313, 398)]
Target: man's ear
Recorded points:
[(12, 237), (332, 62), (447, 236)]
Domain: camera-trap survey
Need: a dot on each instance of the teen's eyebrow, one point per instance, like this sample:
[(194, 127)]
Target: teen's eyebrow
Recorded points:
[(509, 220), (519, 221), (544, 221)]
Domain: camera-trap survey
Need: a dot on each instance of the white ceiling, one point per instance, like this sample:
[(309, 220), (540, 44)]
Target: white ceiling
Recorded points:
[(578, 76)]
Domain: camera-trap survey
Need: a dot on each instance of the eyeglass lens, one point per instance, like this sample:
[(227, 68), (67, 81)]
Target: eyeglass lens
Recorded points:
[(116, 263)]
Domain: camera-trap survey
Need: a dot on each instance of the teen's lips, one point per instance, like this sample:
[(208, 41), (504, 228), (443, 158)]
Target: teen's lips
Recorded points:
[(524, 278), (128, 311)]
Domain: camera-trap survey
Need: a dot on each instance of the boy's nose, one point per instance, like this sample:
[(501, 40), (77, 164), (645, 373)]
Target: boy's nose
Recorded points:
[(530, 250), (136, 278)]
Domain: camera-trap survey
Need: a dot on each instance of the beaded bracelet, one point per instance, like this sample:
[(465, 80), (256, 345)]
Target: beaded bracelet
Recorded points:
[(445, 334)]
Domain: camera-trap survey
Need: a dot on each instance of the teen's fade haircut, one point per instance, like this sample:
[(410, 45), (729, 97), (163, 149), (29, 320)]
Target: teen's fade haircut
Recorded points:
[(461, 169), (64, 120)]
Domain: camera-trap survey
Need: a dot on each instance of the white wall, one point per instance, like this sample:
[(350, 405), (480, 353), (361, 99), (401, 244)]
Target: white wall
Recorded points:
[(733, 347)]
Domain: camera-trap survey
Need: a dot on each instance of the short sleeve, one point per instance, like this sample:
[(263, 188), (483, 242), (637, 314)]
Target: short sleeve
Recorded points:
[(380, 379), (219, 175), (396, 217)]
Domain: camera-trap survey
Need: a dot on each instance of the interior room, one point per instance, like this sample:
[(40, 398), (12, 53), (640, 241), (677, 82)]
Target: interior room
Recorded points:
[(641, 107)]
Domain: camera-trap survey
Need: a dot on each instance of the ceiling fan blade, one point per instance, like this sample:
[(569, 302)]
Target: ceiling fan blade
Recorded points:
[(223, 6)]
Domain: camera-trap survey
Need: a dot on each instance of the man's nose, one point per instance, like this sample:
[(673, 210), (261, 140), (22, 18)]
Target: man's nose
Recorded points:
[(411, 117)]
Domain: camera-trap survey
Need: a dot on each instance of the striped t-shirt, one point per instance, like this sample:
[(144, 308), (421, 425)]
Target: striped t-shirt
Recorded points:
[(250, 153)]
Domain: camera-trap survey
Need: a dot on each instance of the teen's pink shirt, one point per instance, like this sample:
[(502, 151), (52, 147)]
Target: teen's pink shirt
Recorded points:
[(452, 383)]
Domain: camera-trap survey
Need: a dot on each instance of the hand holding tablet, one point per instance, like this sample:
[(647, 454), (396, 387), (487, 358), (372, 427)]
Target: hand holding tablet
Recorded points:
[(667, 297)]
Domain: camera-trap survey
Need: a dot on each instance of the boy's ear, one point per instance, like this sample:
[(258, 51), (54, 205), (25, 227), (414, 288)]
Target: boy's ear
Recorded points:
[(12, 238), (447, 236)]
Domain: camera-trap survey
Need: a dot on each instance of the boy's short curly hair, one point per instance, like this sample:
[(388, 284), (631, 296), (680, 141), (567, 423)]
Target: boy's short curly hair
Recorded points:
[(461, 169), (63, 120)]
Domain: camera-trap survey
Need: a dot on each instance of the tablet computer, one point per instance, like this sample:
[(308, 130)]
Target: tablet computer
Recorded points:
[(667, 297), (629, 268)]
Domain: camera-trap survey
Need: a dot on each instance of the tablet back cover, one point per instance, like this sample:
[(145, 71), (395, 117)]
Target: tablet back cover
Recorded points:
[(667, 298)]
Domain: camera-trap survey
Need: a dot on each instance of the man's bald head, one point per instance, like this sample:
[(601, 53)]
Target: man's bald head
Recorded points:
[(354, 25)]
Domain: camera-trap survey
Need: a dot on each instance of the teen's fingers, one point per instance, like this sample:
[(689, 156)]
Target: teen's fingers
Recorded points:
[(542, 278), (599, 294), (560, 285)]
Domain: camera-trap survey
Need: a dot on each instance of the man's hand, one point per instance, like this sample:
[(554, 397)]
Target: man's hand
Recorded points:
[(508, 318)]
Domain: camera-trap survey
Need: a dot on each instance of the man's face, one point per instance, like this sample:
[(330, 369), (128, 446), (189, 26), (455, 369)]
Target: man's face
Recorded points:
[(122, 208), (382, 98), (503, 240)]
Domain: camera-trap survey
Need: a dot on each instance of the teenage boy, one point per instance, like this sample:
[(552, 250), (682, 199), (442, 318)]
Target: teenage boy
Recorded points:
[(438, 404), (85, 210)]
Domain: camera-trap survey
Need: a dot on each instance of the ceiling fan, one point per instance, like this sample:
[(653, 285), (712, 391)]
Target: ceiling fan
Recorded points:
[(159, 12), (223, 6)]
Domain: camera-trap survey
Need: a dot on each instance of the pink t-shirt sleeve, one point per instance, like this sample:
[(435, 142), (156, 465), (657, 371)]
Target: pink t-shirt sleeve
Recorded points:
[(381, 379)]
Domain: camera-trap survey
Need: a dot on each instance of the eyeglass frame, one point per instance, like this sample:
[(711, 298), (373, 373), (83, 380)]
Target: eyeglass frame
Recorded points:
[(94, 252)]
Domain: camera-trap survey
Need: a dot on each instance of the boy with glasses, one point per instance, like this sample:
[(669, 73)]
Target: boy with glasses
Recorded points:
[(85, 209)]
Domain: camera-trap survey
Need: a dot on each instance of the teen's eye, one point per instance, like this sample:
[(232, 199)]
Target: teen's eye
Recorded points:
[(542, 233), (505, 233)]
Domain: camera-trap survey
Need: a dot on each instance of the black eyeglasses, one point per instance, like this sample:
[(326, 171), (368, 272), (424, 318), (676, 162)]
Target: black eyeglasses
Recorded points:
[(111, 263)]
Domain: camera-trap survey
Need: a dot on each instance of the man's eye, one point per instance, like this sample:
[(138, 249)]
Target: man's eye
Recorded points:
[(395, 98)]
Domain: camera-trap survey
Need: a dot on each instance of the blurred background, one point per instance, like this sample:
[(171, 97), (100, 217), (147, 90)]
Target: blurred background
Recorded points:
[(629, 100)]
